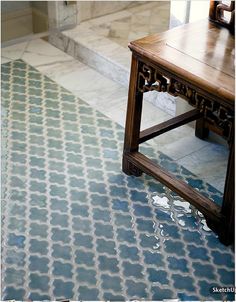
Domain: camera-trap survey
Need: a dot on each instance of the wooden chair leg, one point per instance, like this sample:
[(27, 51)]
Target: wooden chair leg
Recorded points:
[(228, 206), (133, 120)]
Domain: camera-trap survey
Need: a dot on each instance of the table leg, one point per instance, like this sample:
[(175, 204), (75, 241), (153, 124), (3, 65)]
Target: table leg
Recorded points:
[(133, 119), (201, 131), (228, 206)]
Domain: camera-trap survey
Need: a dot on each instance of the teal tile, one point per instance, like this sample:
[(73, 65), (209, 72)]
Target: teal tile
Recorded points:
[(19, 147), (90, 130), (132, 270), (136, 289), (60, 235), (71, 126), (58, 191), (33, 100), (56, 123), (123, 220), (83, 240), (59, 205), (18, 125), (35, 110), (38, 214), (54, 143), (88, 294), (126, 235), (37, 151), (182, 282), (129, 252), (161, 294), (96, 187), (175, 247), (68, 98), (78, 195), (39, 282), (92, 151), (198, 253), (74, 158), (51, 94), (93, 163), (85, 258), (72, 147), (12, 293), (38, 174), (102, 215), (38, 200), (68, 107), (111, 282), (81, 225), (75, 170), (204, 270), (39, 264), (179, 264), (61, 251), (14, 276), (103, 230), (49, 103), (40, 230), (36, 129), (17, 195), (37, 297), (69, 116), (36, 161), (36, 186), (77, 182), (106, 246), (157, 276), (19, 107), (56, 154), (54, 132), (16, 240), (62, 269), (56, 165), (70, 136), (86, 275), (99, 200), (56, 178), (18, 210), (20, 170), (16, 258), (59, 219), (108, 264), (39, 246), (16, 225), (145, 225), (151, 257), (79, 210)]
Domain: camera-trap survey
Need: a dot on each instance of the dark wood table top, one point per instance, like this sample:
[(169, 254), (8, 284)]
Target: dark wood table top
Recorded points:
[(201, 53)]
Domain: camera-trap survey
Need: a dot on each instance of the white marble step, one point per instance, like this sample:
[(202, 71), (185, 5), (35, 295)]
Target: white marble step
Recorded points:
[(88, 44)]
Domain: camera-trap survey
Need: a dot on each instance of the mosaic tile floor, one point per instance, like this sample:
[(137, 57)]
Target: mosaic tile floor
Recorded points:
[(74, 226)]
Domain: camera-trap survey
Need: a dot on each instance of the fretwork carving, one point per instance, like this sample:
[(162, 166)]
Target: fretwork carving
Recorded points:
[(215, 114)]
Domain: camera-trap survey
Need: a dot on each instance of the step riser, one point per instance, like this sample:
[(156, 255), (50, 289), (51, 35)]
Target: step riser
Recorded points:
[(109, 68), (91, 58)]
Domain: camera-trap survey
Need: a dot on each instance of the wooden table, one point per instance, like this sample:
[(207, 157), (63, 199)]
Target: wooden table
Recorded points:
[(196, 62)]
